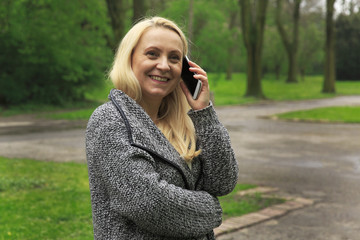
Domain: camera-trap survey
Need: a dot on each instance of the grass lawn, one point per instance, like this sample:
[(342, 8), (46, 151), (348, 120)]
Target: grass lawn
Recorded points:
[(235, 205), (44, 200), (226, 93), (349, 114), (232, 92), (48, 200)]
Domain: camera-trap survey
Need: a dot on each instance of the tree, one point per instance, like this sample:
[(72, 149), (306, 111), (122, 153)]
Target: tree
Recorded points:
[(311, 39), (116, 12), (210, 39), (253, 15), (233, 16), (51, 52), (348, 46), (291, 46), (274, 55), (329, 80), (138, 10)]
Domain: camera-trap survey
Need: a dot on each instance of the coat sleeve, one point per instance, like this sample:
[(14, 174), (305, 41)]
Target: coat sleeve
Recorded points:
[(219, 166), (136, 192)]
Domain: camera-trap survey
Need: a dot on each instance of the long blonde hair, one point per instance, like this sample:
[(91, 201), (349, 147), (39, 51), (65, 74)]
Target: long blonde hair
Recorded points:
[(174, 122)]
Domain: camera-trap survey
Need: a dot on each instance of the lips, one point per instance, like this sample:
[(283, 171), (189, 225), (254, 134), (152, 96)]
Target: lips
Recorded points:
[(160, 79)]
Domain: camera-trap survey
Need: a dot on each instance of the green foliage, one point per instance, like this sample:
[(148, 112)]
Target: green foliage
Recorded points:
[(44, 200), (226, 93), (348, 47), (311, 43), (211, 34), (348, 114), (52, 50), (274, 55)]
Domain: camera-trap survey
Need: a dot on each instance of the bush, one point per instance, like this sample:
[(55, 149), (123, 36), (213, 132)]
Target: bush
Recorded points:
[(52, 51)]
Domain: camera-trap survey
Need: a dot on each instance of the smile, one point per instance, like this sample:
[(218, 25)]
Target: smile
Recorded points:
[(160, 79)]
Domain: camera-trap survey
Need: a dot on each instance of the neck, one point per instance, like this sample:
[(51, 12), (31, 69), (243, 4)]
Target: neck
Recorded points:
[(151, 108)]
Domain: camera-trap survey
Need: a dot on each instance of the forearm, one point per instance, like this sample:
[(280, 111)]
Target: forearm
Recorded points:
[(138, 194), (219, 165)]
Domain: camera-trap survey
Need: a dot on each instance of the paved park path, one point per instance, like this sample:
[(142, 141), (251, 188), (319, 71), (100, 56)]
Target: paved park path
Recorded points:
[(319, 161)]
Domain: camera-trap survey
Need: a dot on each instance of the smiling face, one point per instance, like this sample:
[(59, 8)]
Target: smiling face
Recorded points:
[(156, 62)]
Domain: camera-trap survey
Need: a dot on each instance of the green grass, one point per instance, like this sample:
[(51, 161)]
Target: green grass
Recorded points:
[(44, 200), (235, 205), (348, 114), (39, 109), (48, 200), (226, 92), (233, 91), (81, 114)]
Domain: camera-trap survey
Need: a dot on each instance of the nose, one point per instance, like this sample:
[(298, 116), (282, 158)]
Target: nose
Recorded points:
[(163, 64)]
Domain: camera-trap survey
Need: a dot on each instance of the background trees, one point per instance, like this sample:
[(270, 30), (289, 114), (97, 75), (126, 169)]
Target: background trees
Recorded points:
[(53, 51), (253, 15), (347, 46), (311, 41), (116, 10), (290, 42), (329, 80)]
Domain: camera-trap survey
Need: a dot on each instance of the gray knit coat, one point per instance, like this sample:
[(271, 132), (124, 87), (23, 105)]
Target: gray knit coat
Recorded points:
[(140, 186)]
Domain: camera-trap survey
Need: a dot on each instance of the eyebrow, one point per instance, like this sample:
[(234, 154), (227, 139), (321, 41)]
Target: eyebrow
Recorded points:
[(158, 49)]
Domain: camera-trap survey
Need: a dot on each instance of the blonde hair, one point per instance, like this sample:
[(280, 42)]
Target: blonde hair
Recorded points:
[(174, 122)]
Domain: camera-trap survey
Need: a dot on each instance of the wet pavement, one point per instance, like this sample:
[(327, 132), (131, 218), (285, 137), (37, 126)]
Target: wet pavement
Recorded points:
[(319, 161)]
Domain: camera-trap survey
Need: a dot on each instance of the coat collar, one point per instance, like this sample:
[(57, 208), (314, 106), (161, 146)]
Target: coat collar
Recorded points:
[(144, 134)]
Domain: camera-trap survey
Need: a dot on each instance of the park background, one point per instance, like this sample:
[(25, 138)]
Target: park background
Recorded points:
[(54, 56), (58, 52)]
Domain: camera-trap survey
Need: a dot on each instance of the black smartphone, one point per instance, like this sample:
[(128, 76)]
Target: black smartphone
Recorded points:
[(193, 84)]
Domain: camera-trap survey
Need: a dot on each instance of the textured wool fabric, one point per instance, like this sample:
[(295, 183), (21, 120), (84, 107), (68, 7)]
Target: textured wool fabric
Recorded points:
[(140, 186)]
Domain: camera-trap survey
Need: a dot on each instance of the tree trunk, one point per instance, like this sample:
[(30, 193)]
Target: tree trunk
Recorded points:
[(253, 22), (116, 12), (329, 80), (138, 10), (290, 47), (231, 48)]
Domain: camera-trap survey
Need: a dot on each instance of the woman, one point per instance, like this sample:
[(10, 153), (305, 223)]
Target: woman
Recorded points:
[(156, 168)]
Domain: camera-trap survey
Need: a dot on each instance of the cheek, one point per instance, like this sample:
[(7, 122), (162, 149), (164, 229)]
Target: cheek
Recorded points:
[(177, 71), (134, 66), (140, 69)]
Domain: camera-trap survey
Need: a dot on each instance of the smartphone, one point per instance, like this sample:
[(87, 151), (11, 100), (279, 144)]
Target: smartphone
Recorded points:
[(193, 84)]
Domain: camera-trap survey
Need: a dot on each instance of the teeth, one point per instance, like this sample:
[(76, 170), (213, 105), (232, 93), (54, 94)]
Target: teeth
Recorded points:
[(161, 79)]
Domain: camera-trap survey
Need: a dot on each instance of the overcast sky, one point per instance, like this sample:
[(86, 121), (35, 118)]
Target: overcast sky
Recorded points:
[(339, 5)]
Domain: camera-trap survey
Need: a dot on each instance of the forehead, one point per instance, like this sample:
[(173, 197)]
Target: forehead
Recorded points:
[(161, 38)]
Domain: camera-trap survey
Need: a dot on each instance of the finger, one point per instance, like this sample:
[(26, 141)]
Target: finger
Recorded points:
[(197, 69), (193, 64), (203, 79)]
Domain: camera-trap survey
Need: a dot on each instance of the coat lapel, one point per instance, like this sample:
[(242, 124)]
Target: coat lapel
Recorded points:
[(145, 134)]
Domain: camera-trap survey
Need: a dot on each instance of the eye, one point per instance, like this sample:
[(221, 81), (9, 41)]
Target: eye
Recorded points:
[(175, 58), (152, 54)]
